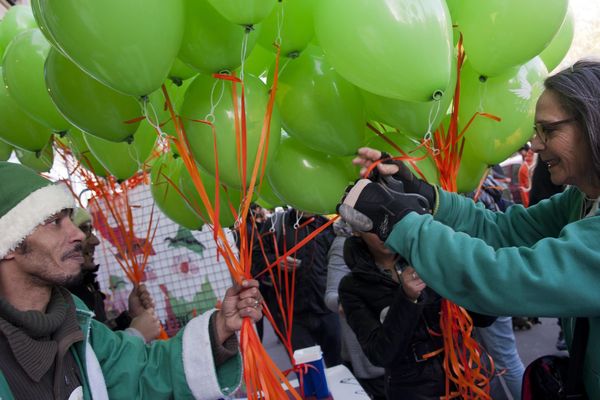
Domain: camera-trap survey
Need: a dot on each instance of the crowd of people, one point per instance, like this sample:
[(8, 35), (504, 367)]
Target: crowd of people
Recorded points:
[(367, 290)]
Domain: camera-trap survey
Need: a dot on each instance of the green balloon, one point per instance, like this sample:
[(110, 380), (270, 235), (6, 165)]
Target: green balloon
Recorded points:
[(128, 45), (259, 61), (180, 72), (297, 26), (211, 43), (17, 19), (82, 153), (197, 105), (411, 118), (560, 45), (400, 49), (319, 107), (165, 173), (306, 179), (18, 128), (5, 150), (266, 195), (39, 16), (24, 76), (470, 173), (228, 197), (244, 12), (37, 161), (512, 97), (176, 91), (412, 148), (499, 34), (123, 160), (88, 104)]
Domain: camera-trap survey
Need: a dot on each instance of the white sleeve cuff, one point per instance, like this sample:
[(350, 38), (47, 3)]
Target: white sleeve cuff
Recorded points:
[(198, 362)]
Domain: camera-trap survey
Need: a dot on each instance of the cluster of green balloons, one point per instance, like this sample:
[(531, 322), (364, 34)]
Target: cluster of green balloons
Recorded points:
[(91, 74)]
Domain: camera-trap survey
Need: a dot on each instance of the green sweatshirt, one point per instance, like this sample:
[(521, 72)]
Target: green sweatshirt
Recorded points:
[(537, 261)]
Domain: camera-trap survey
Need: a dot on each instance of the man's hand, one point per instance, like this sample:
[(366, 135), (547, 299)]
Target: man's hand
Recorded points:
[(239, 302), (147, 324), (412, 284), (140, 300)]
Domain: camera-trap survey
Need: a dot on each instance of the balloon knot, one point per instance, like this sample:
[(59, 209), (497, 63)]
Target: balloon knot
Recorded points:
[(293, 54), (483, 78), (437, 95)]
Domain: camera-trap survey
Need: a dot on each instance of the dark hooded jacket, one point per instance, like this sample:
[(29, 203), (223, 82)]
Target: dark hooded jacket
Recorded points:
[(399, 342), (280, 234)]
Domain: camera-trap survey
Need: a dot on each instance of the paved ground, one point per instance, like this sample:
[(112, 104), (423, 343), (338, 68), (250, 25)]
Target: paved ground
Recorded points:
[(538, 341)]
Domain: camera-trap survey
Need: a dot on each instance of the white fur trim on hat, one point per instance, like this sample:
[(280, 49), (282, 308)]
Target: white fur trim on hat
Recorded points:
[(32, 211)]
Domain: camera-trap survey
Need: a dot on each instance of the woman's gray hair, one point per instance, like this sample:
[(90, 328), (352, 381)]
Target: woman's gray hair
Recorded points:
[(578, 90)]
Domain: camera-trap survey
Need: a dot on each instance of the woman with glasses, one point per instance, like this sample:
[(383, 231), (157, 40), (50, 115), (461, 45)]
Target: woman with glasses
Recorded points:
[(539, 261)]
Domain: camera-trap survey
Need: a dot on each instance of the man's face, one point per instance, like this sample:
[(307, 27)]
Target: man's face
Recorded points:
[(88, 246), (51, 255)]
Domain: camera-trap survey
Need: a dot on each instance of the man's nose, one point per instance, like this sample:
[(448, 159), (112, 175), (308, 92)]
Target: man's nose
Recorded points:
[(94, 241), (76, 234)]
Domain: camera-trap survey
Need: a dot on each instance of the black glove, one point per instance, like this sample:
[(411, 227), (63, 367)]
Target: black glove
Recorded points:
[(373, 207), (411, 183)]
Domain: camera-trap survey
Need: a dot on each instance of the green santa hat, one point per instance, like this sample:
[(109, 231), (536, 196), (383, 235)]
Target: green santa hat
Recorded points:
[(26, 201)]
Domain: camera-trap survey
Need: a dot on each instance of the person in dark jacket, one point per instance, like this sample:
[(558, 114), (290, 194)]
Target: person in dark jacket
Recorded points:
[(393, 314), (313, 323), (541, 184)]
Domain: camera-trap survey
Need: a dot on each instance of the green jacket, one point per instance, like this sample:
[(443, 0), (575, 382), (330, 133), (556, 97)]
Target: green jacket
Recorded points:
[(539, 261), (116, 365)]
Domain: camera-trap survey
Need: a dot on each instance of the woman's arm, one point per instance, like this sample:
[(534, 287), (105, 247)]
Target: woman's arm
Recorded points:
[(557, 276), (518, 226)]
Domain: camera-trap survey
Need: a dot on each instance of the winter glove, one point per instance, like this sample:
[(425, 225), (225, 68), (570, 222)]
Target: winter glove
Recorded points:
[(411, 183), (375, 207)]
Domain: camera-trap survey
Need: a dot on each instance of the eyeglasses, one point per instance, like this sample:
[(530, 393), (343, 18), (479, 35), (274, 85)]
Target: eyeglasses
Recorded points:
[(544, 130)]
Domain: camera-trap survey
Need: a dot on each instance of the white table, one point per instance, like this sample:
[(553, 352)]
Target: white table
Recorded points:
[(342, 384)]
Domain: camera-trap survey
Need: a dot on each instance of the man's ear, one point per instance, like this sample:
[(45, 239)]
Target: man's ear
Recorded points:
[(9, 256)]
